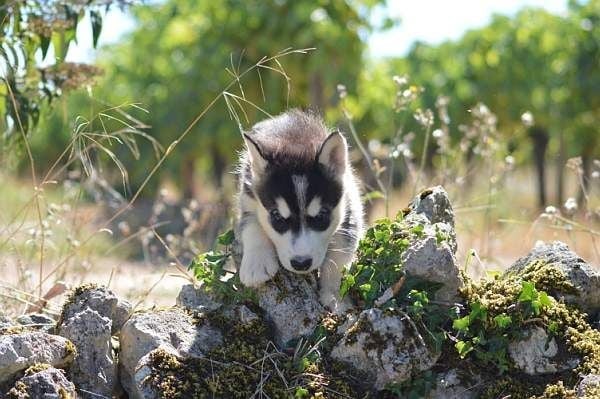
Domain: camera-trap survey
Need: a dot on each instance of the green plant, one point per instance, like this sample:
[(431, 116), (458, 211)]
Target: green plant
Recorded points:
[(378, 263), (209, 268), (415, 388), (487, 334)]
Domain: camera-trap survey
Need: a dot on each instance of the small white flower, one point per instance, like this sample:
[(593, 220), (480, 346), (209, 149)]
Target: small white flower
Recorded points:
[(438, 133), (570, 206), (551, 210), (318, 15), (374, 146), (527, 119), (342, 91), (400, 80)]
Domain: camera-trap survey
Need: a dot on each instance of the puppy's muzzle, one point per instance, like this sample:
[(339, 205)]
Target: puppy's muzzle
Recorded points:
[(301, 263)]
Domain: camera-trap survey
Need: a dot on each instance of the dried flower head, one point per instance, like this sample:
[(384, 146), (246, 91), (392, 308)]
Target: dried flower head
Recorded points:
[(570, 206), (527, 119), (424, 118), (342, 91)]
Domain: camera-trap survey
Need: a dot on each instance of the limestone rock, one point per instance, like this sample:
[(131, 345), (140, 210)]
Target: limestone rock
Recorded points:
[(589, 386), (196, 298), (536, 354), (582, 275), (94, 369), (143, 371), (50, 383), (385, 347), (37, 321), (101, 300), (434, 204), (20, 351), (291, 303), (431, 256), (452, 384), (434, 261), (172, 328), (5, 322)]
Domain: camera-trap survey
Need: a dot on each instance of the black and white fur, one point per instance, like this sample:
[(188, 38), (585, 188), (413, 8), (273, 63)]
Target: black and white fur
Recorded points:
[(299, 202)]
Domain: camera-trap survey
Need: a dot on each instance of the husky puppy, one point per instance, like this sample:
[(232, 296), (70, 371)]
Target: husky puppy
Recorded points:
[(299, 202)]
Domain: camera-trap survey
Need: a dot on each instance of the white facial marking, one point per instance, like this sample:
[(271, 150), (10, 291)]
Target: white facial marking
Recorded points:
[(300, 184), (314, 207), (283, 207)]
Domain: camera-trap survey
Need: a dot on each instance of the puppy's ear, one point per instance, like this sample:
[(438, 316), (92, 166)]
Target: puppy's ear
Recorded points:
[(333, 154), (257, 159)]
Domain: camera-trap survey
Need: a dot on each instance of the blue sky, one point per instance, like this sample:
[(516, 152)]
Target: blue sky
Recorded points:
[(432, 21)]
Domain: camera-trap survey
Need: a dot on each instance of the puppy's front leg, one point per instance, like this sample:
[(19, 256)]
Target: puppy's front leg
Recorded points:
[(331, 277), (259, 261)]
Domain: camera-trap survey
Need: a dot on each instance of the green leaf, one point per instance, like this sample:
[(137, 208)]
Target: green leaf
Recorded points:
[(545, 300), (478, 311), (461, 324), (503, 320), (463, 348), (226, 238), (373, 195), (96, 19), (528, 292), (347, 283), (301, 393), (44, 45)]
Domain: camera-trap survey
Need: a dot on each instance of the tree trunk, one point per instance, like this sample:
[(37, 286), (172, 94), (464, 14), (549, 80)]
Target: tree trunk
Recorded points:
[(560, 167), (539, 137), (317, 100), (188, 181), (586, 166), (219, 163)]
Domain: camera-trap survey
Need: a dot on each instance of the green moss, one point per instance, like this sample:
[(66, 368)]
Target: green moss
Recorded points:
[(19, 391), (36, 368), (247, 360), (504, 296), (557, 391), (72, 296), (70, 351), (425, 193), (12, 330), (64, 394)]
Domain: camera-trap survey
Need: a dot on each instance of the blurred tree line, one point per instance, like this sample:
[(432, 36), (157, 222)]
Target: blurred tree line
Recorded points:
[(536, 64)]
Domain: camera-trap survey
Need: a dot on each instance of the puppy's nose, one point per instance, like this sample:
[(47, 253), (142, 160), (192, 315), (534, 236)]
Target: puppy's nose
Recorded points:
[(301, 263)]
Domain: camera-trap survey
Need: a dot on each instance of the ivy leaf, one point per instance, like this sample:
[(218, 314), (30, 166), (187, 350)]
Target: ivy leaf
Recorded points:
[(462, 324), (347, 283), (226, 238), (478, 311), (463, 348), (528, 292), (503, 320), (545, 300)]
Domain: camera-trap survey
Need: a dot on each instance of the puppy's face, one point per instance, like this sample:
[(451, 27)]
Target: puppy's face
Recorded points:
[(300, 208)]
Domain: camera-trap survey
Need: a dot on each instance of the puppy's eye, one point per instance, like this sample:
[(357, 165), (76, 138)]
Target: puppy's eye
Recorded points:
[(323, 214), (275, 215), (279, 223), (321, 220)]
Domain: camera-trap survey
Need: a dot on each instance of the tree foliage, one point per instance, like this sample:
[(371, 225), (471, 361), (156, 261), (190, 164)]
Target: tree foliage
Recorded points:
[(29, 29), (182, 53), (533, 62)]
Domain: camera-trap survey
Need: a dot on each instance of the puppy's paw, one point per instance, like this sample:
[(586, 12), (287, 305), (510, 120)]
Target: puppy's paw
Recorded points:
[(333, 302), (256, 270)]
